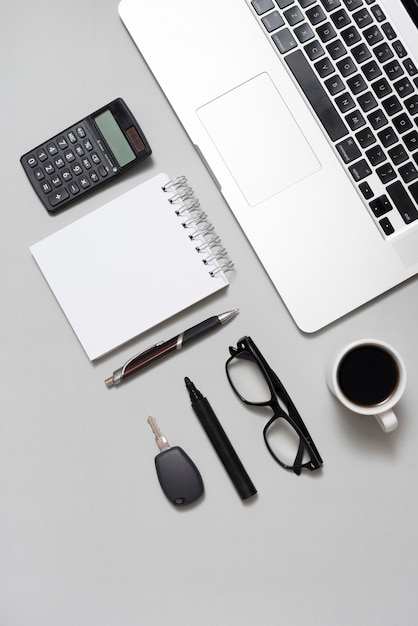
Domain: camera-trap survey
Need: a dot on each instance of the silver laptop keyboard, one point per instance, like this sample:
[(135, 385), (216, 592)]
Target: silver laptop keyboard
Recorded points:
[(362, 85)]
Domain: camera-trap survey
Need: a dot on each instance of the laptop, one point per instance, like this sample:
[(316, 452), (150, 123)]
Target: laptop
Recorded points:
[(306, 114)]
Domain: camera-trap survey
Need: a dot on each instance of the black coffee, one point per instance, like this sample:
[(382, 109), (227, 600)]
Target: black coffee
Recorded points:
[(368, 375)]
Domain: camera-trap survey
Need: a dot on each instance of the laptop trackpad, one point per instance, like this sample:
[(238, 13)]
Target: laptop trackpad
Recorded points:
[(259, 139)]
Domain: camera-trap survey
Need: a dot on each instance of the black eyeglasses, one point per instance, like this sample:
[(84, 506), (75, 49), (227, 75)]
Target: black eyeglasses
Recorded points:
[(255, 383)]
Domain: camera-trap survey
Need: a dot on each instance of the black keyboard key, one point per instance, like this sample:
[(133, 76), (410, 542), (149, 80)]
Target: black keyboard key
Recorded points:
[(355, 120), (414, 191), (314, 50), (330, 5), (398, 154), (357, 84), (386, 173), (316, 95), (262, 6), (324, 67), (284, 40), (315, 15), (388, 137), (408, 172), (376, 155), (282, 4), (334, 85), (393, 69), (350, 36), (377, 119), (365, 138), (361, 53), (345, 102), (404, 87), (293, 16), (347, 67), (306, 3), (352, 5), (336, 49), (383, 52), (362, 18), (392, 105), (378, 13), (381, 88), (348, 150), (411, 140), (399, 49), (304, 32), (371, 70), (360, 170), (326, 32), (388, 30), (367, 101), (366, 190), (412, 105), (380, 206), (272, 21), (340, 19), (373, 35), (402, 123), (386, 226), (402, 202), (410, 67)]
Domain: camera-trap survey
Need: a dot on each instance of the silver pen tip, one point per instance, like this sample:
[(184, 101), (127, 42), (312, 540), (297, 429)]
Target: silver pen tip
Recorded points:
[(228, 315)]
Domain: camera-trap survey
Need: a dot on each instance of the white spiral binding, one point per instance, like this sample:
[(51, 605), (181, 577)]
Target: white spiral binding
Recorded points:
[(208, 242)]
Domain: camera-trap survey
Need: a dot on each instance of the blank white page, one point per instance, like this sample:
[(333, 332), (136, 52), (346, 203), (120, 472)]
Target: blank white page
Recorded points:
[(126, 267)]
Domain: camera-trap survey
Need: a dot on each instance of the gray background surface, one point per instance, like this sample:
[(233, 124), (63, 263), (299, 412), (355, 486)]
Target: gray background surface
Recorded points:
[(86, 535)]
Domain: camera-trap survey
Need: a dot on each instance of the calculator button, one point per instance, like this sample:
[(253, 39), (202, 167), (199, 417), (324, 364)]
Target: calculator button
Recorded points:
[(81, 132), (71, 136), (88, 145), (49, 168), (39, 175), (95, 158), (42, 155), (102, 171), (52, 149), (79, 150), (77, 169), (46, 187), (94, 177), (59, 162), (62, 143), (74, 188), (84, 182), (31, 161), (86, 164), (69, 156), (56, 181), (66, 175), (58, 197)]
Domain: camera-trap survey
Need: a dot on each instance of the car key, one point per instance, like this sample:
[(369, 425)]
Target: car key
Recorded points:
[(179, 477)]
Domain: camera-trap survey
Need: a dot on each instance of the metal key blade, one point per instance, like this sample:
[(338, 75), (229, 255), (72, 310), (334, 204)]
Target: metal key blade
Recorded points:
[(161, 440)]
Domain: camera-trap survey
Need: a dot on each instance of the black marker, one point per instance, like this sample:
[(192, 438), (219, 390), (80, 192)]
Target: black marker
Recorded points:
[(220, 442)]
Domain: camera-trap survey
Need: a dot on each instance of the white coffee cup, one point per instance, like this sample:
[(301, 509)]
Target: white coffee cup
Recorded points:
[(368, 376)]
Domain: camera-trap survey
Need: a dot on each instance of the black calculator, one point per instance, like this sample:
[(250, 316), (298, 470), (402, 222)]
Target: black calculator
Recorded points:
[(86, 155)]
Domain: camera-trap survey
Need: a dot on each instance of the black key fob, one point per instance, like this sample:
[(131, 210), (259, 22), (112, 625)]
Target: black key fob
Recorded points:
[(179, 477)]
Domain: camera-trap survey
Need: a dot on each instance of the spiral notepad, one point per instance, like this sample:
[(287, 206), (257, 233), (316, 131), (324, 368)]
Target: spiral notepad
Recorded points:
[(133, 263)]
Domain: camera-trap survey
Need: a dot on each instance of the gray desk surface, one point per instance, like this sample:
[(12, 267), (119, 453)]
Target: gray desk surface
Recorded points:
[(86, 536)]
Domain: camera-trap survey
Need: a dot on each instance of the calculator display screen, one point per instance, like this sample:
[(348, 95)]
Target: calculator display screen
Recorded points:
[(116, 140)]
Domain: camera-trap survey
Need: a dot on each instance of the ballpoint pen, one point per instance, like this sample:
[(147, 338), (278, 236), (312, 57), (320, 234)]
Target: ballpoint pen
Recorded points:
[(161, 349)]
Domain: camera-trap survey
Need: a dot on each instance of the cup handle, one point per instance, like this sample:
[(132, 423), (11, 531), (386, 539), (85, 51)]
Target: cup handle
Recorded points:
[(387, 421)]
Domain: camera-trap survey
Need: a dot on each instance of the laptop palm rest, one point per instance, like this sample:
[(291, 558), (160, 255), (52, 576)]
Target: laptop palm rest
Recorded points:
[(258, 139)]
